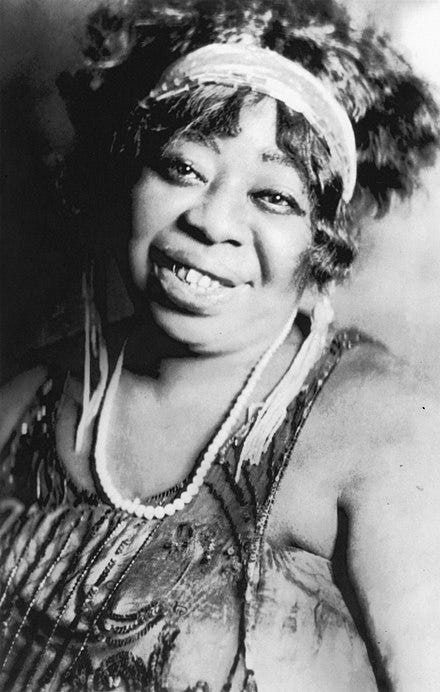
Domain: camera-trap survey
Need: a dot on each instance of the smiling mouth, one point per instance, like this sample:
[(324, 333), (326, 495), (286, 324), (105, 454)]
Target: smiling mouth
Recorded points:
[(189, 288), (199, 281), (197, 278)]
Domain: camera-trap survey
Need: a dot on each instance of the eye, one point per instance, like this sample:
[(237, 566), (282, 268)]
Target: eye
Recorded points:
[(277, 202), (180, 171)]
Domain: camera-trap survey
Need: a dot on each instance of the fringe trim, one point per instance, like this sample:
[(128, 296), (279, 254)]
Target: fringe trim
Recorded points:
[(273, 411), (94, 345)]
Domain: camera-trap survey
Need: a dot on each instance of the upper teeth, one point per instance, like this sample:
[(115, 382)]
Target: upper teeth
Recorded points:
[(194, 277)]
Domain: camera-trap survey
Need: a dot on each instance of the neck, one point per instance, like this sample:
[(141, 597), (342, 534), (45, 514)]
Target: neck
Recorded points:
[(152, 354)]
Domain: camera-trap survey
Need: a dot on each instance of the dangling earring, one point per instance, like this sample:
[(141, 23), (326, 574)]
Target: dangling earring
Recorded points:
[(273, 411), (94, 347)]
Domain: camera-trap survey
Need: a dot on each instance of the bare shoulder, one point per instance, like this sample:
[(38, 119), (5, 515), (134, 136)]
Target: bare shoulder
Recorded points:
[(384, 419), (370, 447), (16, 396), (371, 379), (373, 414), (366, 418)]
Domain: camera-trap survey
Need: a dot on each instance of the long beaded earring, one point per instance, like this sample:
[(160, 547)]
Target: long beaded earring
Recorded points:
[(273, 410), (94, 348)]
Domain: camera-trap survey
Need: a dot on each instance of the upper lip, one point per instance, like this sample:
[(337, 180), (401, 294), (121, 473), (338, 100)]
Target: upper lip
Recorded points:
[(170, 257)]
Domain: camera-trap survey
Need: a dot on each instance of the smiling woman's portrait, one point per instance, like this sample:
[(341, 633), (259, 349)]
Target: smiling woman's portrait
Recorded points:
[(214, 475)]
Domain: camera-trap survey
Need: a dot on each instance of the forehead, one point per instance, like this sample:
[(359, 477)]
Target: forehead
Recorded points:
[(255, 132), (256, 122)]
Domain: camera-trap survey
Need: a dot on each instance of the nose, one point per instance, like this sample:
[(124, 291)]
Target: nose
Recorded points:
[(216, 217)]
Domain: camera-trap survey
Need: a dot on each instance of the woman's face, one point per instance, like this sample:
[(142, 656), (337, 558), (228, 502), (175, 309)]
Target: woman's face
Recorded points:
[(220, 231)]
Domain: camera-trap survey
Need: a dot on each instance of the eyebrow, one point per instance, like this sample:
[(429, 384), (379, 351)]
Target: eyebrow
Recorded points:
[(194, 135), (279, 157)]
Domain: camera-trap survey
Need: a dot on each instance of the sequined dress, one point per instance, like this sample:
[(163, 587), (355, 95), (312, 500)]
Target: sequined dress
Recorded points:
[(92, 598)]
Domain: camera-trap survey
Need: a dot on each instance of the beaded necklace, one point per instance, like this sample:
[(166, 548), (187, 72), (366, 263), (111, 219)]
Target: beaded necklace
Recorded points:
[(136, 507), (267, 422)]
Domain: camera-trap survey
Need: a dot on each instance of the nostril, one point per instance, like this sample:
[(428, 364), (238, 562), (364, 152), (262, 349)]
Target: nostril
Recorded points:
[(193, 230)]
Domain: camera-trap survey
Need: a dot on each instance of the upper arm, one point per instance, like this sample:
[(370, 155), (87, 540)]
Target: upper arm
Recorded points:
[(392, 499), (15, 397)]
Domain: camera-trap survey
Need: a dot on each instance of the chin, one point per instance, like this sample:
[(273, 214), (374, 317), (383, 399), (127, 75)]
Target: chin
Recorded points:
[(199, 332), (204, 334)]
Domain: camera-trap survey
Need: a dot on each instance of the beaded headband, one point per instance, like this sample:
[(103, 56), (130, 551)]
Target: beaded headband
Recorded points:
[(269, 73)]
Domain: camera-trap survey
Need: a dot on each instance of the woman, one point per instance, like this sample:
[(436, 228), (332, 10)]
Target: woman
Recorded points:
[(168, 527)]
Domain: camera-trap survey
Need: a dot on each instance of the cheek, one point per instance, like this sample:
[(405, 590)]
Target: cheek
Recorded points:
[(151, 213), (285, 255), (154, 205), (138, 260), (146, 209)]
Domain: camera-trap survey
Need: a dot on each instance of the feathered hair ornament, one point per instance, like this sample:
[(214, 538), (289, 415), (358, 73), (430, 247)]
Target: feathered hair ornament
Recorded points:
[(393, 114)]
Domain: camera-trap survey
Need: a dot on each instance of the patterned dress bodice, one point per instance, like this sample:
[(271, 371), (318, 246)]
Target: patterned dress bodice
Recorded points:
[(92, 598)]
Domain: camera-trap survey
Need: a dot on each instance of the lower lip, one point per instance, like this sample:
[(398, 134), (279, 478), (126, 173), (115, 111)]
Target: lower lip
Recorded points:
[(191, 298)]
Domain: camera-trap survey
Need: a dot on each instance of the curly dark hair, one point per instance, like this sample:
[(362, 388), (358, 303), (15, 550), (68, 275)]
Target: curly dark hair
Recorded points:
[(394, 117)]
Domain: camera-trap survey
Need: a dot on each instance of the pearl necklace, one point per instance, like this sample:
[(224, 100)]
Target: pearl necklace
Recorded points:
[(136, 507)]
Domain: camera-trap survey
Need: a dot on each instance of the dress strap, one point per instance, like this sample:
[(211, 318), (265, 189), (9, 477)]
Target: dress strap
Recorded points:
[(300, 408), (272, 411), (259, 483)]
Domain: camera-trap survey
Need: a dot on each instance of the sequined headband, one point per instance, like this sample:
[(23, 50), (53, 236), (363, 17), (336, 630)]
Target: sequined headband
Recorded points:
[(269, 73)]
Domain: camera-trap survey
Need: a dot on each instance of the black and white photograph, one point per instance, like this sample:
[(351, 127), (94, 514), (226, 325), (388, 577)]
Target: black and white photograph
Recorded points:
[(219, 346)]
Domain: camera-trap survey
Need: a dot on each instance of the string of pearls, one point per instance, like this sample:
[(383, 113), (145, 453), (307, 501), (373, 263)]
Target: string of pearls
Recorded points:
[(136, 507)]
